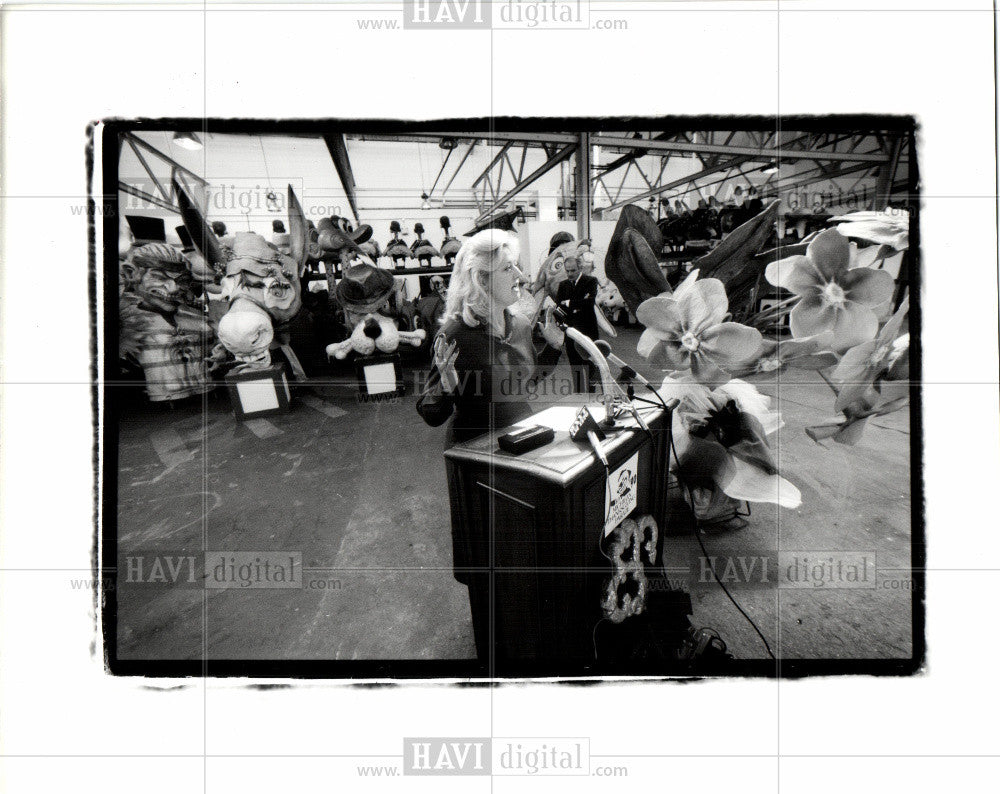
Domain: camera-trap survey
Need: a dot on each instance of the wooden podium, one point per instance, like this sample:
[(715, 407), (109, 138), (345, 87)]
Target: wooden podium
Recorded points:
[(527, 529)]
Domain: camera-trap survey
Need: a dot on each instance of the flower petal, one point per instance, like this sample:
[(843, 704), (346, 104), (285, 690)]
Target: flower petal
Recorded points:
[(731, 344), (867, 287), (892, 328), (685, 285), (811, 316), (854, 363), (713, 293), (829, 253), (872, 256), (707, 371), (816, 361), (751, 484), (648, 342), (660, 314), (850, 434), (779, 271), (794, 273), (877, 231), (854, 324)]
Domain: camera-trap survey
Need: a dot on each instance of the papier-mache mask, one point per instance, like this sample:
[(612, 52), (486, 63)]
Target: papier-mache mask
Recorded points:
[(258, 272), (552, 273), (160, 275), (246, 332)]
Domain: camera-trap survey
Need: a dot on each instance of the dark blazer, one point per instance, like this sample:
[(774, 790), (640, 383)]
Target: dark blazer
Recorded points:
[(581, 296), (496, 379)]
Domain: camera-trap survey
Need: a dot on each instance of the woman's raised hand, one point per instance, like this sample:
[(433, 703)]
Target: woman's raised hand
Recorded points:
[(553, 334), (445, 355)]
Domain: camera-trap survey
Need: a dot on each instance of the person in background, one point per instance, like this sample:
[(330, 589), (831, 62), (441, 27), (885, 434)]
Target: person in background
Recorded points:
[(484, 361), (219, 228), (576, 296)]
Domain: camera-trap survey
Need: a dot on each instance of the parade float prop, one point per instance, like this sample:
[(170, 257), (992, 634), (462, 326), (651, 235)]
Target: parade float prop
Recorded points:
[(836, 312)]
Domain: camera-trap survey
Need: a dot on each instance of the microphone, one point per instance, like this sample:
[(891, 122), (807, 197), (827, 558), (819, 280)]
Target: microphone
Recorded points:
[(627, 372), (585, 427), (593, 352)]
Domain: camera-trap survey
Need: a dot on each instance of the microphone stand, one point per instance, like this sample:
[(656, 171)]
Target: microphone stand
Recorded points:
[(615, 399)]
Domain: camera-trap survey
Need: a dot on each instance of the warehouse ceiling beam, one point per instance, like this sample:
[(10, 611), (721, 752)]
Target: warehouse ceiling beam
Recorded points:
[(337, 146), (630, 157), (135, 140), (149, 171), (560, 156), (813, 178), (437, 179), (148, 198), (887, 175), (496, 159), (726, 166), (532, 138), (815, 143), (472, 145), (762, 153)]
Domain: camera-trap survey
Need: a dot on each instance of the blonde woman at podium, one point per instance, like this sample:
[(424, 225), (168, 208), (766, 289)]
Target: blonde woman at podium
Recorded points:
[(485, 368)]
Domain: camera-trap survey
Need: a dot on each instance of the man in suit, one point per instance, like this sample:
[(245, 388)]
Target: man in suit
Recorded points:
[(576, 297)]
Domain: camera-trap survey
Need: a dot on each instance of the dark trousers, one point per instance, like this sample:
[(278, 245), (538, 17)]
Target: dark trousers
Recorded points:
[(585, 375)]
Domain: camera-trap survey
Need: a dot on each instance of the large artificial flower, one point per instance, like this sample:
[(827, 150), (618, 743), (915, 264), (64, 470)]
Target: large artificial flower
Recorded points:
[(686, 331), (889, 227), (879, 400), (720, 437), (813, 352), (862, 365), (832, 297)]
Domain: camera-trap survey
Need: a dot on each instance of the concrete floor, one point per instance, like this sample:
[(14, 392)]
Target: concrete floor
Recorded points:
[(359, 489)]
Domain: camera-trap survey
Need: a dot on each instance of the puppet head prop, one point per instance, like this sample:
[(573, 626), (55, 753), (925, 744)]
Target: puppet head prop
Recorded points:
[(552, 271), (161, 276), (438, 286), (363, 291), (610, 299), (246, 332), (335, 237), (257, 275), (261, 274), (160, 328)]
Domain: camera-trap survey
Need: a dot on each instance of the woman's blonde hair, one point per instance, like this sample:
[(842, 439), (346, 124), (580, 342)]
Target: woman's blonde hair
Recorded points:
[(468, 291)]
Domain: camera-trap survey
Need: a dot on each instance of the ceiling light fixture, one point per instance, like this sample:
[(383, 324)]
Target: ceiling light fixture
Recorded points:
[(187, 140)]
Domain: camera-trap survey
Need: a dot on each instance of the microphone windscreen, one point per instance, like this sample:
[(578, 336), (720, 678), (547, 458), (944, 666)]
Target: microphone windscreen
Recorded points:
[(584, 423)]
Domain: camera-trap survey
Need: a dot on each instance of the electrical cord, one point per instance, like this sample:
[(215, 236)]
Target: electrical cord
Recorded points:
[(711, 565)]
